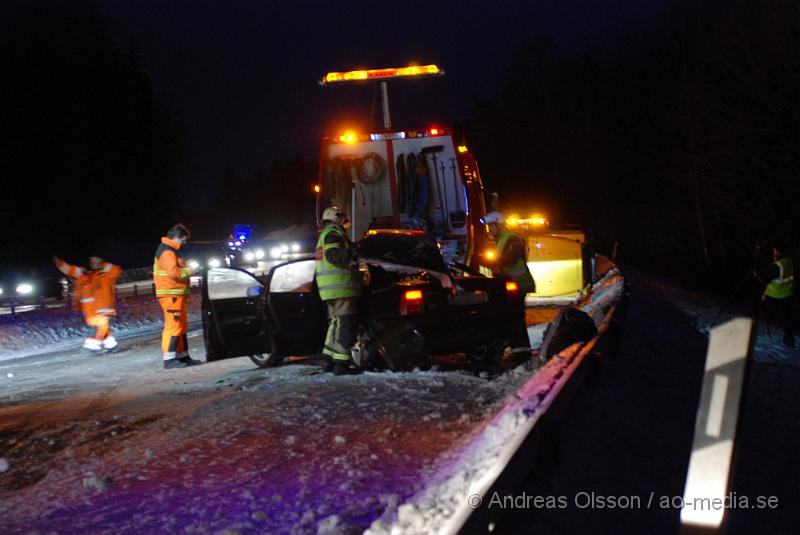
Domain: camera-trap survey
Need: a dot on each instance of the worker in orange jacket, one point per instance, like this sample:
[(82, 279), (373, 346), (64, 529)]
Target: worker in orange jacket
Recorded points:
[(171, 277), (95, 291)]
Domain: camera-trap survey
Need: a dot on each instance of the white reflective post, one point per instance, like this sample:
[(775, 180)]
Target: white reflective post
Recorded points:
[(715, 427)]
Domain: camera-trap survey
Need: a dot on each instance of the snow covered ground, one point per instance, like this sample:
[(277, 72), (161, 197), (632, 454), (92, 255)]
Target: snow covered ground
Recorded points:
[(117, 445), (64, 328), (705, 313), (114, 444)]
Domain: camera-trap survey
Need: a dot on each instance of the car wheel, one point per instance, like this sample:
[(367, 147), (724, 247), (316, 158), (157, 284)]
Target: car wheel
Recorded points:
[(267, 360), (490, 352)]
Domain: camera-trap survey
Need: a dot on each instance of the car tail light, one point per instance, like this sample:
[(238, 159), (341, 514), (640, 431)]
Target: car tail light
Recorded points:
[(512, 289), (411, 302)]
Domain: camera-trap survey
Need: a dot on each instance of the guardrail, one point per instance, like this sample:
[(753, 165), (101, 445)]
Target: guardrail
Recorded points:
[(135, 282)]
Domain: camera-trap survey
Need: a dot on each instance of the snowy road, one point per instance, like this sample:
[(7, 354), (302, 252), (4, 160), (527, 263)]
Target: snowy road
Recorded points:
[(115, 444)]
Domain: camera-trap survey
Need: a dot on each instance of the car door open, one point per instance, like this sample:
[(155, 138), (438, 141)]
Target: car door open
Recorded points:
[(295, 307), (234, 319)]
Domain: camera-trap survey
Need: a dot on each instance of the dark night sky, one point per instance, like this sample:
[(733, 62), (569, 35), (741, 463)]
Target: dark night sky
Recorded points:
[(243, 74)]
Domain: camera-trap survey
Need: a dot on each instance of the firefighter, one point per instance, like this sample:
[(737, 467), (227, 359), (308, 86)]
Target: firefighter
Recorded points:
[(171, 277), (777, 297), (339, 287), (511, 262), (95, 290)]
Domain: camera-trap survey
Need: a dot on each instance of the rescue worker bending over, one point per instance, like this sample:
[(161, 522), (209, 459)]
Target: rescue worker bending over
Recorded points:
[(339, 287), (512, 263), (779, 279), (171, 277), (95, 290)]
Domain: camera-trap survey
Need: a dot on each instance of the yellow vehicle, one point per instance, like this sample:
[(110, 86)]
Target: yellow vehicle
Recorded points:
[(555, 259)]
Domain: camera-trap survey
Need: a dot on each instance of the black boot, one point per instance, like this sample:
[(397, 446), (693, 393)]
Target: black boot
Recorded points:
[(182, 362), (345, 368)]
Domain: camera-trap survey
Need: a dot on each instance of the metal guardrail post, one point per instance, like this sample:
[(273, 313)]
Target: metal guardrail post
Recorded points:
[(42, 308), (136, 290), (13, 306)]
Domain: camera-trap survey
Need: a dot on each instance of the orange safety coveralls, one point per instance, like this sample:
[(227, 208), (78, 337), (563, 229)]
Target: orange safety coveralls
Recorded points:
[(171, 277), (95, 291)]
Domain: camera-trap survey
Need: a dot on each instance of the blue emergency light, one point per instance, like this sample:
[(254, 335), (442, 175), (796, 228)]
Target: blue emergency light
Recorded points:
[(243, 232)]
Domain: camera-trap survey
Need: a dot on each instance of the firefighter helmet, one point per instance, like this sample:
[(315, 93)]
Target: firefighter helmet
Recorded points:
[(334, 214), (494, 217)]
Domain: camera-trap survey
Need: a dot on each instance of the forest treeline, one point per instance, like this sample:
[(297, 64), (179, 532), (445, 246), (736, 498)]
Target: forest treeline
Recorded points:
[(86, 150), (680, 141)]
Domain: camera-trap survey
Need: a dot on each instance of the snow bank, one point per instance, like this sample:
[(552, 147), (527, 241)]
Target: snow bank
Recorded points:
[(458, 488), (63, 328), (768, 345)]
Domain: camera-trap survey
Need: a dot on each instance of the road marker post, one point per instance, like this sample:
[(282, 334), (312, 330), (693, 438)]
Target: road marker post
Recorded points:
[(703, 508)]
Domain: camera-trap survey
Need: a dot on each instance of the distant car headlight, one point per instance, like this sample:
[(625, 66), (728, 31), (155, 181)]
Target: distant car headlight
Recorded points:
[(1, 291), (284, 248), (275, 252), (295, 247), (194, 264), (24, 288), (260, 254), (214, 262), (249, 256)]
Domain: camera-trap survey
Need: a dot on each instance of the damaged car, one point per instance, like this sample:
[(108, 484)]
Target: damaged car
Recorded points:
[(413, 306)]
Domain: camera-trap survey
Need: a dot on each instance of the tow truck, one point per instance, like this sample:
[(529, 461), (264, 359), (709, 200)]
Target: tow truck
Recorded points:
[(423, 179), (419, 178)]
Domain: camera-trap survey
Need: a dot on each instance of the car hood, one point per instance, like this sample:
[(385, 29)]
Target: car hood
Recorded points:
[(443, 278)]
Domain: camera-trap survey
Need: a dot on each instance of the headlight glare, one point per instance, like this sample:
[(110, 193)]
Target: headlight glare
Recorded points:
[(24, 288)]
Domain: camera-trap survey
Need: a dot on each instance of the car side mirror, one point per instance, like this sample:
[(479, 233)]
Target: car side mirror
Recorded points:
[(253, 292)]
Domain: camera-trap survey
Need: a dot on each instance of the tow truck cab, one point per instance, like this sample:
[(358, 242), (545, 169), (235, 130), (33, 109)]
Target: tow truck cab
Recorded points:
[(412, 179)]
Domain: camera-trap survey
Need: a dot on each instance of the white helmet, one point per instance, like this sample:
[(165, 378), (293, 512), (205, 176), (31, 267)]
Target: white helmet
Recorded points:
[(334, 214), (494, 217)]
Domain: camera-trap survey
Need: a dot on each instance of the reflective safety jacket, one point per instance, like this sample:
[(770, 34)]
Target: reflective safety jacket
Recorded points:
[(512, 253), (335, 278), (94, 290), (782, 286), (170, 273)]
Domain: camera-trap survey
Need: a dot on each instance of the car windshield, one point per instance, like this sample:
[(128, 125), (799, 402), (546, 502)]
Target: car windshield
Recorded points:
[(408, 250)]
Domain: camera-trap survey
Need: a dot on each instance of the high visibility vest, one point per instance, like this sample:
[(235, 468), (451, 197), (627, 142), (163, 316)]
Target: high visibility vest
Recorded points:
[(783, 286), (170, 274), (334, 282), (518, 271), (95, 290)]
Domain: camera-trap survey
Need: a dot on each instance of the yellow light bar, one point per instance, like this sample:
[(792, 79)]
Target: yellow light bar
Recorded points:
[(371, 74), (537, 219), (316, 188), (534, 220), (348, 137), (462, 148)]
